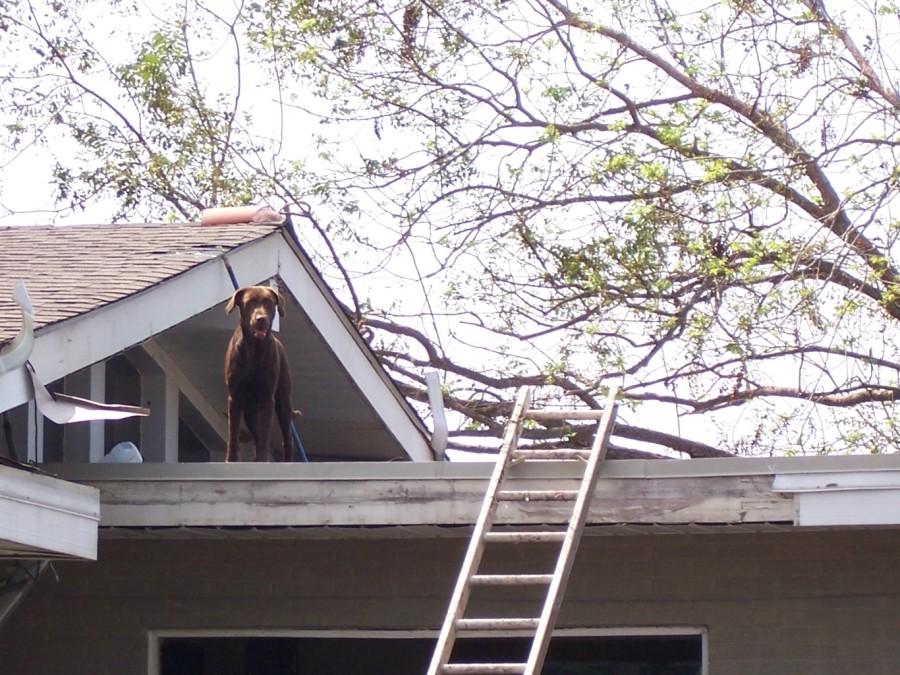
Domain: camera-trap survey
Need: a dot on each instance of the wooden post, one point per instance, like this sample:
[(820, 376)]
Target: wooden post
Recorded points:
[(160, 392), (210, 413), (35, 433), (97, 428), (159, 430), (77, 436)]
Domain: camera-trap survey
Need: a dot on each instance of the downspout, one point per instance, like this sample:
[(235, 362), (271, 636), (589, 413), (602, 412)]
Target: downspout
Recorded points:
[(436, 400), (16, 353)]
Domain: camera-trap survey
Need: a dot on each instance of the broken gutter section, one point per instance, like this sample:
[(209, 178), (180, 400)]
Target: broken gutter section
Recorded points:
[(44, 517)]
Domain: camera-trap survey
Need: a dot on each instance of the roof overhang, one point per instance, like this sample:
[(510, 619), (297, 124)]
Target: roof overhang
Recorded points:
[(631, 495), (47, 518)]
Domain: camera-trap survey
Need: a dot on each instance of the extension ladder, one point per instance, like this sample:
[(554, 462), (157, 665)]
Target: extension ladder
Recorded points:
[(541, 628)]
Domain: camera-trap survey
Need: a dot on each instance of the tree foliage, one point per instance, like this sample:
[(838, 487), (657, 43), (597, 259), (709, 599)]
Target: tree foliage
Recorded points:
[(694, 201)]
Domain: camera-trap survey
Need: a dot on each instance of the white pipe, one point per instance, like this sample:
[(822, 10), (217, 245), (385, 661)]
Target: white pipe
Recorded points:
[(436, 400), (16, 353), (236, 215)]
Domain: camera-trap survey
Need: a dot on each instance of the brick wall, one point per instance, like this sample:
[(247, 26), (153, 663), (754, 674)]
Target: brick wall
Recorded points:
[(780, 603)]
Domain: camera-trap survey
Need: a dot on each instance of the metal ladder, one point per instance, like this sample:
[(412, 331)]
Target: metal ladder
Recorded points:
[(569, 539)]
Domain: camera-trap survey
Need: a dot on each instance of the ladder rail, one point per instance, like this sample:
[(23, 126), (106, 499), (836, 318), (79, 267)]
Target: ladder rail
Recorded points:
[(541, 641), (475, 550), (541, 627)]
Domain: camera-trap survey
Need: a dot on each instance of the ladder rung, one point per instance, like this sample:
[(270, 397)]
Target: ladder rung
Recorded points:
[(510, 579), (540, 629), (537, 495), (484, 668), (563, 415), (561, 454), (497, 624), (523, 537)]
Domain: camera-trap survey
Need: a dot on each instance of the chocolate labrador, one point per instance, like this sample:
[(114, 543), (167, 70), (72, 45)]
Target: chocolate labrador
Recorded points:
[(256, 373)]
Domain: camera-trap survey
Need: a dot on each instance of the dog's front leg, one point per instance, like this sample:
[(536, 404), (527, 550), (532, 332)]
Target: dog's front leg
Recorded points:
[(234, 423), (263, 427), (285, 418)]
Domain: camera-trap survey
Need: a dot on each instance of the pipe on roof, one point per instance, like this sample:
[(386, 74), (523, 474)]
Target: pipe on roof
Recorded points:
[(436, 400), (233, 215)]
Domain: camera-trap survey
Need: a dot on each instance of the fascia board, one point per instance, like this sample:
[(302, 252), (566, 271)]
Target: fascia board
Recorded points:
[(48, 516), (69, 346), (846, 508), (297, 500)]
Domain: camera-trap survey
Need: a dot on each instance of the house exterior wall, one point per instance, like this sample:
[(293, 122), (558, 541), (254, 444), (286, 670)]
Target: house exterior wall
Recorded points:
[(777, 603)]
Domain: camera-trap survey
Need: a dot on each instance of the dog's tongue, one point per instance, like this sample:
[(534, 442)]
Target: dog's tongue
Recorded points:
[(259, 333)]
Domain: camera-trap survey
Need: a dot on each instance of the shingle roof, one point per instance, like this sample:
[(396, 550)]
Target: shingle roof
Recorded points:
[(74, 269)]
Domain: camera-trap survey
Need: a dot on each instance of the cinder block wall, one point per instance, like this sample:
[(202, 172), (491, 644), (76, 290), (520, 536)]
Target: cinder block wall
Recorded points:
[(817, 603)]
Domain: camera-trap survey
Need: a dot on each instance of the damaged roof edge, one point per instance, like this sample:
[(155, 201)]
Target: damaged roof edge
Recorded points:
[(367, 494)]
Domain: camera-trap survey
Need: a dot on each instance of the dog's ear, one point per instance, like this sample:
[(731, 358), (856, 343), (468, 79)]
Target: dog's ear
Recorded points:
[(279, 300), (236, 299)]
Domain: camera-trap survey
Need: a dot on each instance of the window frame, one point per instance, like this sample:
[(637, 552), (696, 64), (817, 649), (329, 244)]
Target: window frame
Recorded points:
[(155, 637)]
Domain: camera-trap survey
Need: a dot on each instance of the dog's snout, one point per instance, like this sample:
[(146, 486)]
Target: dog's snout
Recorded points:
[(259, 322)]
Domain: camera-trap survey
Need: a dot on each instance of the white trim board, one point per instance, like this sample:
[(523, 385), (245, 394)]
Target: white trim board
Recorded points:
[(848, 498), (815, 481)]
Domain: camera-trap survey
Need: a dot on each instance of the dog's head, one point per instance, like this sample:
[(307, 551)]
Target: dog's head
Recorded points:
[(258, 305)]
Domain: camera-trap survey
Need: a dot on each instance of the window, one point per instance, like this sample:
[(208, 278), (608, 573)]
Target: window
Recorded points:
[(385, 654)]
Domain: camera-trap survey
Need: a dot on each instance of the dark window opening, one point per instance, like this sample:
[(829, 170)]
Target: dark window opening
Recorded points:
[(568, 655)]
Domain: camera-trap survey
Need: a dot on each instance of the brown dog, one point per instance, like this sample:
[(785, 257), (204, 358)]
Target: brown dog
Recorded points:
[(256, 373)]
